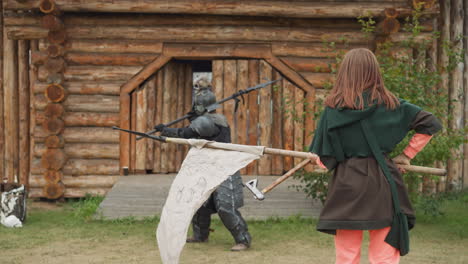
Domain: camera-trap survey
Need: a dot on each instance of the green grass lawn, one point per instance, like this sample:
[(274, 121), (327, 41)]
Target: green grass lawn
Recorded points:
[(66, 233)]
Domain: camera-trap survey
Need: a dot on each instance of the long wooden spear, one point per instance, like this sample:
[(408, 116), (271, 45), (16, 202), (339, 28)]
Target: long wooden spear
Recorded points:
[(271, 151)]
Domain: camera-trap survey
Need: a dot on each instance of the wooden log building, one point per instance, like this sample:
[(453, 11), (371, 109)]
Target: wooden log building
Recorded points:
[(72, 69)]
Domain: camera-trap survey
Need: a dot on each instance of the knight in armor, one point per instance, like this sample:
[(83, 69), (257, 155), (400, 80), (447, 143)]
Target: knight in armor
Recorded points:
[(228, 197)]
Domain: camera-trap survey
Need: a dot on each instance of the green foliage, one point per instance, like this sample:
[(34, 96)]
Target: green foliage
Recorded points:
[(409, 74), (85, 207), (314, 184)]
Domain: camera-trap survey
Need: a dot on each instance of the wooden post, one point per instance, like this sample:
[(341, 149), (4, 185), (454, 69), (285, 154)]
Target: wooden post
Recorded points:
[(277, 124), (10, 84), (288, 128), (159, 82), (252, 127), (2, 123), (455, 169), (465, 147), (242, 83), (230, 87), (218, 81), (34, 45), (150, 110), (298, 122), (24, 113), (141, 116), (166, 85), (443, 61), (124, 137), (265, 118)]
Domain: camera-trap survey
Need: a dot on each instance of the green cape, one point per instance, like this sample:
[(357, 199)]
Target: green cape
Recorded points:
[(373, 131)]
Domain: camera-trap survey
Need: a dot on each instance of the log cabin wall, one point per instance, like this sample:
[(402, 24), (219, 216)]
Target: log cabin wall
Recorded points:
[(108, 43)]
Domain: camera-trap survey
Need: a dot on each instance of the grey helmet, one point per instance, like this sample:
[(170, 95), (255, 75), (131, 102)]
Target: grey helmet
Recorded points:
[(203, 96)]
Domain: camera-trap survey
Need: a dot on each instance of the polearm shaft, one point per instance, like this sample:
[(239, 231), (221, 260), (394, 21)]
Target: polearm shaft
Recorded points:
[(212, 107), (272, 151)]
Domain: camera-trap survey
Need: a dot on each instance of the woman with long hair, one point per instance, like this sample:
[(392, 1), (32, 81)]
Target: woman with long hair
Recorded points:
[(361, 124)]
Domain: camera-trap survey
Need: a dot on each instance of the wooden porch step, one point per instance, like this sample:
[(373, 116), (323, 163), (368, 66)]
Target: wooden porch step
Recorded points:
[(141, 196)]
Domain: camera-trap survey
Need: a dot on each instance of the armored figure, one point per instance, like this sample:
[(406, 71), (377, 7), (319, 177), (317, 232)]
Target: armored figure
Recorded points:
[(228, 197)]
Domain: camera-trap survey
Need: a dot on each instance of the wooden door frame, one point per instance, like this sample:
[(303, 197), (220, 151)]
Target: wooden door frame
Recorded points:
[(199, 51)]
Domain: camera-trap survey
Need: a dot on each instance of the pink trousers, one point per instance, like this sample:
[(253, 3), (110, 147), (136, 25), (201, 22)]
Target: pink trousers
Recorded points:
[(348, 247)]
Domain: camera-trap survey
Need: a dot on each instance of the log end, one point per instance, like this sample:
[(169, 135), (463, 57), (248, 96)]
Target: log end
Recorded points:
[(53, 159), (54, 51), (55, 65), (55, 78), (53, 110), (52, 22), (47, 6), (52, 176), (53, 126), (55, 93), (390, 26), (57, 36), (391, 12), (54, 190), (54, 141)]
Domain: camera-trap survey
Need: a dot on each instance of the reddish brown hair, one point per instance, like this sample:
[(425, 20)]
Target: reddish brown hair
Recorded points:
[(359, 71)]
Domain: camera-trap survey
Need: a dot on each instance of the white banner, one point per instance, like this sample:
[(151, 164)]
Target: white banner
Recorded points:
[(202, 171)]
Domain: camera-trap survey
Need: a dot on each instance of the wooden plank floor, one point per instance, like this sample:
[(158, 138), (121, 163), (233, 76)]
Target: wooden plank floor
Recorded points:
[(142, 196)]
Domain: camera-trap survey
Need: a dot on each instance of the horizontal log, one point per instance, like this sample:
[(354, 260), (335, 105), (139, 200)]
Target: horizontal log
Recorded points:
[(84, 151), (88, 181), (311, 50), (302, 64), (71, 192), (185, 51), (82, 135), (244, 8), (88, 19), (202, 33), (94, 73), (83, 167), (78, 119), (108, 46), (83, 103), (318, 80), (85, 88), (97, 59)]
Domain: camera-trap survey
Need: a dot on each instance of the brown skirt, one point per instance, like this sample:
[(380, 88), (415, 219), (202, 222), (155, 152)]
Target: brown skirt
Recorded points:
[(359, 197)]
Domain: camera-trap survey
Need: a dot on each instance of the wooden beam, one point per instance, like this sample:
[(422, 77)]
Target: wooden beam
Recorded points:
[(455, 167), (124, 137), (244, 8), (465, 151), (10, 101), (84, 119), (83, 103), (3, 176), (82, 135), (84, 150), (144, 74), (87, 181), (24, 113), (217, 51), (97, 59), (84, 88), (289, 73), (252, 131), (215, 33)]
